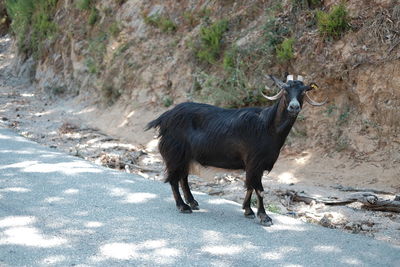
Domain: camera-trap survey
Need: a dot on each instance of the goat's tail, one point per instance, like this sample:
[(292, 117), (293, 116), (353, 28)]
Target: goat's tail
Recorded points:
[(153, 124), (160, 122)]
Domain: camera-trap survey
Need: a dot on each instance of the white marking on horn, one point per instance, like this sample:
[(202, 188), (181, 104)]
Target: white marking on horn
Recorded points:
[(289, 78)]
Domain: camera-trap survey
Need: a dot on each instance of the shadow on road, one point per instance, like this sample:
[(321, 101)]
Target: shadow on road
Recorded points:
[(62, 211)]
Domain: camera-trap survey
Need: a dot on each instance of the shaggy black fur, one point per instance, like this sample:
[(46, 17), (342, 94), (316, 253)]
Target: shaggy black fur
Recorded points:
[(246, 138)]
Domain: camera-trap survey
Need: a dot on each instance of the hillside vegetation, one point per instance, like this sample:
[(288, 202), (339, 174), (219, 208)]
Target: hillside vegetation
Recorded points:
[(138, 57)]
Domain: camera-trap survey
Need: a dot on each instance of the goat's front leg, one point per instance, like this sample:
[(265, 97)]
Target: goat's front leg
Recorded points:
[(261, 214), (253, 180)]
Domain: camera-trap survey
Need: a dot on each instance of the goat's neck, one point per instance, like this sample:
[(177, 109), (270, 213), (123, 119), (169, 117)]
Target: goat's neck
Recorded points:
[(283, 122)]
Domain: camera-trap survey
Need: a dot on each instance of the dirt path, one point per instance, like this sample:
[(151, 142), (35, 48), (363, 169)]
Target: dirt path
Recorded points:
[(59, 123)]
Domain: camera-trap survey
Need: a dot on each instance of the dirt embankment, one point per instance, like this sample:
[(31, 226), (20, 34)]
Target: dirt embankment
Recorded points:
[(98, 82), (131, 60)]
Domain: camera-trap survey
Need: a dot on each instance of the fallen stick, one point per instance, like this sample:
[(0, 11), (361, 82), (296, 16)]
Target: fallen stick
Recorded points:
[(352, 189), (369, 200)]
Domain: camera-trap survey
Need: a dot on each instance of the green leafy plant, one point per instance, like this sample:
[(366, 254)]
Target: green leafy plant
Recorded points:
[(84, 4), (230, 58), (32, 23), (167, 101), (344, 117), (284, 51), (165, 24), (273, 208), (114, 29), (209, 48), (93, 16), (274, 31), (334, 23)]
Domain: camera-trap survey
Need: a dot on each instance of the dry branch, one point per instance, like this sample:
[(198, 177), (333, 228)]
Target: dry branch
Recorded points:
[(352, 189), (369, 200)]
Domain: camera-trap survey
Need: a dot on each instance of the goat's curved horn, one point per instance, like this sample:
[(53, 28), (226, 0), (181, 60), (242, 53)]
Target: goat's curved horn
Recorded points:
[(275, 97), (278, 82), (314, 103)]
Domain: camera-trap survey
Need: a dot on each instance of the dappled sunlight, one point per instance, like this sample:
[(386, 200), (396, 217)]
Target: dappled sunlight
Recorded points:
[(15, 189), (220, 201), (351, 261), (303, 160), (53, 199), (153, 251), (222, 250), (93, 224), (287, 178), (71, 191), (78, 232), (68, 168), (129, 197), (279, 253), (21, 152), (15, 138), (48, 112), (126, 120), (13, 221), (212, 236), (283, 223), (326, 249), (27, 95), (152, 145), (52, 260), (20, 232), (139, 197)]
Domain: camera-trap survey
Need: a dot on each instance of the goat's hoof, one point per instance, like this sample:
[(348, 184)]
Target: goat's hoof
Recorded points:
[(184, 208), (194, 205), (248, 213), (265, 220)]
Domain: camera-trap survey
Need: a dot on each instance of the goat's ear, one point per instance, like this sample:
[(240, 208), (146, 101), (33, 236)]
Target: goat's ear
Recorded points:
[(312, 86), (278, 82)]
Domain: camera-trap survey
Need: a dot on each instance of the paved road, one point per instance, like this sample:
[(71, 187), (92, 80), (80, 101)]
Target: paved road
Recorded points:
[(58, 210)]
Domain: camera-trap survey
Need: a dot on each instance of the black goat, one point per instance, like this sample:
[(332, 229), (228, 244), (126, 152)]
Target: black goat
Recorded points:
[(246, 138)]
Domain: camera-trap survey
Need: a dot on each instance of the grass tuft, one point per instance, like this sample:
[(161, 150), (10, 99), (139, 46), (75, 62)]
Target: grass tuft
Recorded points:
[(210, 45), (334, 23)]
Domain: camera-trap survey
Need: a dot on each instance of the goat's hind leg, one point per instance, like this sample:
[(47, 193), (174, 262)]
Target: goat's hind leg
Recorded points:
[(188, 194), (174, 178)]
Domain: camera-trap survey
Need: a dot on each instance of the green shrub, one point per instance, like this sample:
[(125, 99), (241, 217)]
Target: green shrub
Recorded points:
[(210, 45), (231, 90), (114, 29), (167, 101), (284, 51), (32, 23), (229, 59), (93, 16), (334, 23), (84, 4), (92, 66), (163, 23)]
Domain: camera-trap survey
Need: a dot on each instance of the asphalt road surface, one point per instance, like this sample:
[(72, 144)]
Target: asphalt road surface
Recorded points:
[(59, 210)]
